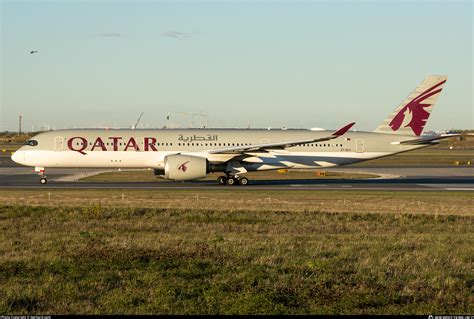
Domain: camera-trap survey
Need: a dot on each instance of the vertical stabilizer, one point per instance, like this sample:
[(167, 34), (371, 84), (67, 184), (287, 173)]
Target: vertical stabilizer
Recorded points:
[(410, 117)]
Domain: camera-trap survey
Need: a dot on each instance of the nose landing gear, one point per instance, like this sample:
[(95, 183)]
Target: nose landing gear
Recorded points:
[(43, 179)]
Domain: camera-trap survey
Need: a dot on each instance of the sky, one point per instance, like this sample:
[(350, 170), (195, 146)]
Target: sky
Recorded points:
[(243, 63)]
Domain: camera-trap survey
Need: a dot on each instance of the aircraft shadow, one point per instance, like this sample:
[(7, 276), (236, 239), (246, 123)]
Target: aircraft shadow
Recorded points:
[(410, 180)]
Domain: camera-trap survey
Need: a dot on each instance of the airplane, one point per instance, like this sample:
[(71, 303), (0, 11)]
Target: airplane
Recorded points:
[(189, 154)]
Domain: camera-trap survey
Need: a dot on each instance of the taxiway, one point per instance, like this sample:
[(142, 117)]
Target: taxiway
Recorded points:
[(393, 179)]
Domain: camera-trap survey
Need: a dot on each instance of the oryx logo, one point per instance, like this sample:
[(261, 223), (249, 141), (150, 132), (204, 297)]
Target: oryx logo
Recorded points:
[(183, 167), (416, 109)]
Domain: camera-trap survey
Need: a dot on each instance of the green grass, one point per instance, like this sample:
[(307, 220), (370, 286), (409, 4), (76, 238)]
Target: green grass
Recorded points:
[(423, 157), (170, 253)]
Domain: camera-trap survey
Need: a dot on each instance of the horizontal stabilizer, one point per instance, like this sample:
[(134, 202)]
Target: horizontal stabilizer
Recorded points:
[(425, 140)]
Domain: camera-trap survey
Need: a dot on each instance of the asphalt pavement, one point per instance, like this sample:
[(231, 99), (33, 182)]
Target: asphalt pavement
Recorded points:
[(393, 178)]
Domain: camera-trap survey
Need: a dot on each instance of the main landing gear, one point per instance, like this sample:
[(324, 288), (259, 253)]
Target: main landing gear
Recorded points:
[(232, 180)]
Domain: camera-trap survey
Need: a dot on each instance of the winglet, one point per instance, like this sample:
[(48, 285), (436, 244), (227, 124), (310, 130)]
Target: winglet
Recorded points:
[(343, 130)]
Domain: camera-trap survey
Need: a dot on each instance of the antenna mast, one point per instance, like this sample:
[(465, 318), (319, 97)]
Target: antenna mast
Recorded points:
[(19, 125)]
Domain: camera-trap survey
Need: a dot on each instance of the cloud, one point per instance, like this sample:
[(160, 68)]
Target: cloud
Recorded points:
[(109, 35), (175, 34)]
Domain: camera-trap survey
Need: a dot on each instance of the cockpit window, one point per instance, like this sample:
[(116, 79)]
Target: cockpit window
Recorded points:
[(31, 143)]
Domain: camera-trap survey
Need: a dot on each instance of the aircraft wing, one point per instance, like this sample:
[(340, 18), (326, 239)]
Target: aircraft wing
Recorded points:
[(279, 145), (425, 140)]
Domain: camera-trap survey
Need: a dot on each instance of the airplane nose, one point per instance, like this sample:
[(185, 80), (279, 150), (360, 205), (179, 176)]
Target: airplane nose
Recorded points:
[(16, 157)]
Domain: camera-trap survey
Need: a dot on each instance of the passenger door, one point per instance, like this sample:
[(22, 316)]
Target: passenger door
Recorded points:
[(359, 145), (58, 143)]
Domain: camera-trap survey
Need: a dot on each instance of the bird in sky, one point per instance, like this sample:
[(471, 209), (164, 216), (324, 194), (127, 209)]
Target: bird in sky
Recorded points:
[(32, 52)]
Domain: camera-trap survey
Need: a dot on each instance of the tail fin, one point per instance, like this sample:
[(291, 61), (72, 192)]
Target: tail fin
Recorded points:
[(410, 117)]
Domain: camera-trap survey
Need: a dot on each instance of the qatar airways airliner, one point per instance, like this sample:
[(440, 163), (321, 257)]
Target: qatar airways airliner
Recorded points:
[(188, 154)]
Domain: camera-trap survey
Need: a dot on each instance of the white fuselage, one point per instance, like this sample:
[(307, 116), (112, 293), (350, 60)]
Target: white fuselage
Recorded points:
[(124, 148)]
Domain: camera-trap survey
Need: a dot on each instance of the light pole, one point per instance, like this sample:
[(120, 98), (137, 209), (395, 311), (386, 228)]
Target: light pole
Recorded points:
[(19, 126)]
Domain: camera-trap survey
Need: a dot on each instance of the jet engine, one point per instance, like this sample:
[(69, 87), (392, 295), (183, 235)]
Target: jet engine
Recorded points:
[(184, 167)]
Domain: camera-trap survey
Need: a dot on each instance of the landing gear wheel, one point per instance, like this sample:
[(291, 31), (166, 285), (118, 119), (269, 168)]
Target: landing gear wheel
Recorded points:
[(43, 180), (222, 180), (231, 181), (243, 181)]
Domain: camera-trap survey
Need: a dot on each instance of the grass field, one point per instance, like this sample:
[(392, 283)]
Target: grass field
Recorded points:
[(423, 157), (236, 252)]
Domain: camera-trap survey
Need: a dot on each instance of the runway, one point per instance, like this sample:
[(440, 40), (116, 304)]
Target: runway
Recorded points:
[(409, 179)]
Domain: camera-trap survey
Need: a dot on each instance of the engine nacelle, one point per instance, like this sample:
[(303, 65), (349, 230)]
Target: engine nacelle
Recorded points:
[(185, 167)]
